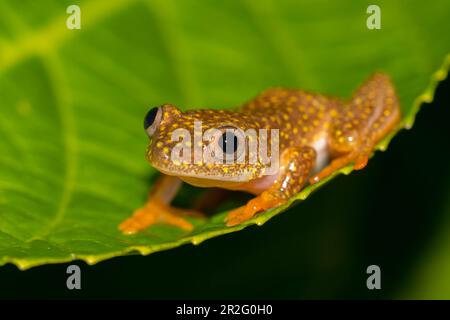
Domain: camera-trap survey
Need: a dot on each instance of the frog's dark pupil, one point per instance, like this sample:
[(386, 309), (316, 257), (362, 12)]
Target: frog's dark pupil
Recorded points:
[(228, 142), (150, 117)]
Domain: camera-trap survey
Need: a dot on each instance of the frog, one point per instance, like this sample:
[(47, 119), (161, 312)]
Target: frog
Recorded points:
[(317, 135)]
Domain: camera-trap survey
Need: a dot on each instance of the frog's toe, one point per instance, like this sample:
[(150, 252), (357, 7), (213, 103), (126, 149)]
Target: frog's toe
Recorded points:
[(237, 216), (140, 220), (154, 213), (258, 204), (361, 161)]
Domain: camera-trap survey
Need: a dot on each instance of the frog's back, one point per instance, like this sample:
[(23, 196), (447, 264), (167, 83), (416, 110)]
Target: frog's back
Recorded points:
[(301, 117)]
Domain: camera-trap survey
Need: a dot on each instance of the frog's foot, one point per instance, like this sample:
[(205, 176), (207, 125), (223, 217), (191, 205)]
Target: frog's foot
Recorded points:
[(260, 203), (359, 161), (156, 212)]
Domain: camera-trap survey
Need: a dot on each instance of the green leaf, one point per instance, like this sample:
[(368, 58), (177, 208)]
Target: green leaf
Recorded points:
[(72, 147)]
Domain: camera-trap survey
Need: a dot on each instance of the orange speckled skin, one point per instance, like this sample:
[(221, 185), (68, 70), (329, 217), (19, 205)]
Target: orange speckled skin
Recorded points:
[(347, 129), (304, 117)]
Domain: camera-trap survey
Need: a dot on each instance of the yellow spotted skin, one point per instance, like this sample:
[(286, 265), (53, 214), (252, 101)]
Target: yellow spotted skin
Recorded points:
[(161, 144), (347, 131), (305, 117)]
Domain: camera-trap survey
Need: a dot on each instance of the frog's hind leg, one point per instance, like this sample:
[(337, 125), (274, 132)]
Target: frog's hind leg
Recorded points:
[(296, 165), (158, 209), (355, 129)]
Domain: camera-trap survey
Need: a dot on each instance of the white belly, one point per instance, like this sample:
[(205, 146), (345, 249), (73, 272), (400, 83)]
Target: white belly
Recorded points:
[(323, 156)]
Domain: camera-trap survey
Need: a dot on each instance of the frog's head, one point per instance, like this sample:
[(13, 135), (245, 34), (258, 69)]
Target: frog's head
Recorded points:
[(210, 147)]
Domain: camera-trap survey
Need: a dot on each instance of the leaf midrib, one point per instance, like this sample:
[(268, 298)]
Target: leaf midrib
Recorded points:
[(55, 33), (69, 142)]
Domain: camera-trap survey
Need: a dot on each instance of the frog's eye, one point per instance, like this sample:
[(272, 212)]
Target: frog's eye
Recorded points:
[(152, 120), (228, 142)]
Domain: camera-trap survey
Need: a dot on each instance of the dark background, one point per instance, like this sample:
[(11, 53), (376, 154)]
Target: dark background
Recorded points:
[(389, 214)]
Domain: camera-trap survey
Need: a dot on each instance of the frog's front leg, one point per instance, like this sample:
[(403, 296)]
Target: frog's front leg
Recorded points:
[(295, 166), (355, 129), (158, 209)]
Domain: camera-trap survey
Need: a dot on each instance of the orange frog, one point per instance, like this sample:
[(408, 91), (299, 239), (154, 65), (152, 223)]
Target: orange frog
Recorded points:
[(317, 135)]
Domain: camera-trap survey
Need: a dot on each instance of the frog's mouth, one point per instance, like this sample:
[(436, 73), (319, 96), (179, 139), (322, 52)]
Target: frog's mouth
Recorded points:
[(231, 182), (205, 179)]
